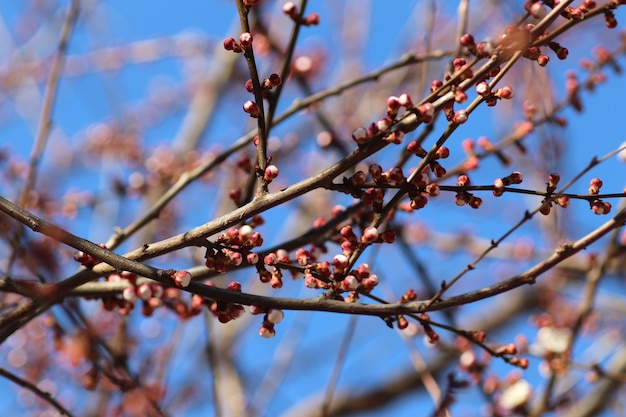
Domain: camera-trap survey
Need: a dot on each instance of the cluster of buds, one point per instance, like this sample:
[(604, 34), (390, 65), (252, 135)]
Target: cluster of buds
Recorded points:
[(424, 113), (563, 200), (578, 13), (272, 317), (291, 10), (597, 205), (560, 51), (464, 197), (431, 335), (350, 241), (546, 203), (87, 260), (269, 83), (274, 276), (461, 66), (239, 242), (480, 50), (245, 41), (150, 294), (225, 311), (339, 280), (500, 183), (534, 53), (420, 187), (393, 176), (491, 97), (407, 297), (609, 16)]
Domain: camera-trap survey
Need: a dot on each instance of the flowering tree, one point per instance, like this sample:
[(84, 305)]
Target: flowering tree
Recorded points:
[(442, 224)]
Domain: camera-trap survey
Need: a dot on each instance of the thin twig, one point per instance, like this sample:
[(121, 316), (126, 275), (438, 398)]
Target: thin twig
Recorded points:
[(33, 388), (45, 117)]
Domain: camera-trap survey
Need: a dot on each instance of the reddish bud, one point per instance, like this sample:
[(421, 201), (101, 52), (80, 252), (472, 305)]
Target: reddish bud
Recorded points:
[(443, 152), (460, 117), (467, 40), (290, 9), (274, 315), (370, 235), (275, 80), (312, 20), (267, 331), (594, 186), (271, 172), (432, 189), (182, 278), (388, 236), (463, 181), (360, 135), (405, 100), (482, 88), (245, 39), (230, 44), (251, 108), (475, 202)]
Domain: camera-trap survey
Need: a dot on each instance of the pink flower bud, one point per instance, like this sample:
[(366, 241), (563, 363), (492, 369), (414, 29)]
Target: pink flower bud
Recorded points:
[(251, 108), (275, 315), (129, 294), (230, 44), (347, 233), (252, 258), (370, 235), (460, 117), (463, 181), (475, 202), (359, 177), (382, 125), (594, 186), (482, 88), (350, 283), (516, 177), (271, 172), (427, 112), (375, 171), (270, 259), (182, 278), (340, 261), (245, 39), (267, 332), (256, 309), (432, 189), (360, 135), (312, 20), (290, 9), (144, 291), (467, 40), (443, 152), (405, 100), (388, 236)]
